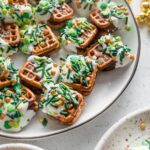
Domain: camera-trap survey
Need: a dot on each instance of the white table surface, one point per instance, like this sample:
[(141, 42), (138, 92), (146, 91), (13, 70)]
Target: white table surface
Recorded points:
[(136, 96)]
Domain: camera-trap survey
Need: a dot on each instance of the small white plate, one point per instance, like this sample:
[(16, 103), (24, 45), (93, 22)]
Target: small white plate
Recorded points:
[(127, 132), (109, 86), (19, 146)]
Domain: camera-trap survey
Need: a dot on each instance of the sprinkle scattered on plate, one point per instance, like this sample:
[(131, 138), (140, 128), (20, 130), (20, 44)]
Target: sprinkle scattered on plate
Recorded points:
[(130, 133)]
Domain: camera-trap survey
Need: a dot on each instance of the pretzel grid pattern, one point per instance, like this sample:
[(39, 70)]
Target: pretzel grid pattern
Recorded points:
[(74, 113), (84, 90), (62, 14), (10, 33), (105, 60), (51, 43), (98, 20), (29, 96), (28, 75), (88, 36)]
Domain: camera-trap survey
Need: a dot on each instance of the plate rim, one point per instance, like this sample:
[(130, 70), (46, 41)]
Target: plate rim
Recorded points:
[(99, 113), (118, 124), (23, 145)]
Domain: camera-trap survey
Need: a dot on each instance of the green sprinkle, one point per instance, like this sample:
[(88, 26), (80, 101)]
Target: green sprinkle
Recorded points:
[(60, 91), (27, 21), (4, 11), (17, 88), (74, 59), (126, 20), (72, 32), (1, 111), (65, 113), (16, 124), (25, 49), (27, 40), (6, 125), (44, 122), (128, 49), (128, 27), (19, 22), (73, 100), (118, 38), (11, 108), (105, 13), (25, 15), (25, 26), (65, 87), (70, 23), (62, 29), (100, 41), (103, 5)]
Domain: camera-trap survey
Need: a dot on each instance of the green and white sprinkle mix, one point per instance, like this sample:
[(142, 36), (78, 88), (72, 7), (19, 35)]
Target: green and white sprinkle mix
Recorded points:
[(32, 35), (12, 14), (25, 14), (47, 6), (113, 9), (113, 46), (14, 112), (77, 69), (45, 9), (46, 69), (5, 48), (116, 13), (58, 100), (6, 64), (84, 7), (73, 31)]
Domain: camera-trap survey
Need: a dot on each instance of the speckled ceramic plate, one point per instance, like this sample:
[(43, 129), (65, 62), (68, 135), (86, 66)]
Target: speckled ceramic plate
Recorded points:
[(19, 146), (109, 86), (128, 132)]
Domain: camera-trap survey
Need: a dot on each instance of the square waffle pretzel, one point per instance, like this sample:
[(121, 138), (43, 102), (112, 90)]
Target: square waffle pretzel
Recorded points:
[(10, 33), (104, 61), (98, 20), (88, 36), (84, 90), (62, 14), (51, 43), (28, 95), (74, 112), (28, 75), (21, 2)]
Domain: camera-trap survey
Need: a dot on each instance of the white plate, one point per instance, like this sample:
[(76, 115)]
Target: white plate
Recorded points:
[(127, 132), (108, 87), (19, 146)]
